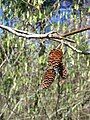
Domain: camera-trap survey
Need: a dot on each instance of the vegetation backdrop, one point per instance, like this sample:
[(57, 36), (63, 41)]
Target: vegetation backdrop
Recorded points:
[(23, 61)]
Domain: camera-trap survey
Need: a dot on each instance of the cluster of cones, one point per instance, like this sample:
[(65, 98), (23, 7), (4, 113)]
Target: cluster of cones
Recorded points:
[(54, 62)]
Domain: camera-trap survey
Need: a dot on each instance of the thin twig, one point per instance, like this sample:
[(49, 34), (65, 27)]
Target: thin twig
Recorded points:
[(4, 108), (45, 110), (21, 31), (75, 49), (76, 31), (53, 114), (3, 63), (58, 97), (3, 49), (15, 108)]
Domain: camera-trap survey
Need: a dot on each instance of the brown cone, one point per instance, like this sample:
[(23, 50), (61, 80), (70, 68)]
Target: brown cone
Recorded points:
[(49, 77), (55, 57)]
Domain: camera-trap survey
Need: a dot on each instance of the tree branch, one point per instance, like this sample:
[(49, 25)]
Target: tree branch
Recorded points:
[(54, 35), (50, 35)]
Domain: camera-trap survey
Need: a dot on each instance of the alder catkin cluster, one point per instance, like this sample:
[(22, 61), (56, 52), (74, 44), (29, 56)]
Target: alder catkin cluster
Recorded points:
[(54, 61)]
